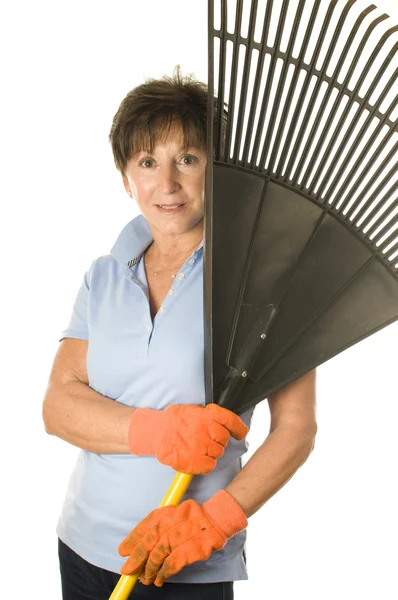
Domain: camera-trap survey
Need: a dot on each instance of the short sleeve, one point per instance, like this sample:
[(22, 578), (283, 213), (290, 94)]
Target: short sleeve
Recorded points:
[(78, 323)]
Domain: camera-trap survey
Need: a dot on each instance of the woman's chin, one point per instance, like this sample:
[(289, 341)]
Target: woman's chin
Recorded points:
[(176, 226)]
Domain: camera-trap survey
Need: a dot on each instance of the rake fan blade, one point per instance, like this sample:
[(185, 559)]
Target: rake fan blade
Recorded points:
[(302, 200)]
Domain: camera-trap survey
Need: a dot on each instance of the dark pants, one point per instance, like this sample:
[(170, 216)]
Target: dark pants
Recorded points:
[(83, 581)]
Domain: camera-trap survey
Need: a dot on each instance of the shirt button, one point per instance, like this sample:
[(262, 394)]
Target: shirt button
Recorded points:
[(170, 292), (190, 262), (149, 328), (162, 309), (181, 276)]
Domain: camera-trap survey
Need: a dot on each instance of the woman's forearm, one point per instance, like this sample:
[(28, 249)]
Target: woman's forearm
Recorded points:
[(284, 451), (83, 417)]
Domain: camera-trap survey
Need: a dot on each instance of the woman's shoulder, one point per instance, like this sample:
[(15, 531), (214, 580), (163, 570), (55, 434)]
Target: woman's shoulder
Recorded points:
[(125, 253), (105, 262), (103, 268)]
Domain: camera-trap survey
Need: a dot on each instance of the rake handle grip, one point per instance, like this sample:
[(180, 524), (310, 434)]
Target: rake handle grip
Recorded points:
[(173, 496)]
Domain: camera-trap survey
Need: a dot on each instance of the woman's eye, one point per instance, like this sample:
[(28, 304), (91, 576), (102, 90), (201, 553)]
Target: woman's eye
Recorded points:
[(188, 159), (146, 163)]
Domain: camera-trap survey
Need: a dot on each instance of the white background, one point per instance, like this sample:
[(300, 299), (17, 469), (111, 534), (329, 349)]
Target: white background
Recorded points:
[(332, 531)]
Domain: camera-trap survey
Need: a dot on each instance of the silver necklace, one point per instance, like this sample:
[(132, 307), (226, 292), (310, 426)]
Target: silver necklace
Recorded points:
[(160, 272), (173, 276)]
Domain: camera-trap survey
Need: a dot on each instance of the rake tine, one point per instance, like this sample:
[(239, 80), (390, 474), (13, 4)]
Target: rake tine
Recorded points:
[(386, 213), (315, 93), (293, 87), (310, 72), (270, 77), (221, 76), (234, 77), (394, 248), (250, 163), (365, 126), (393, 235), (373, 196), (333, 84), (340, 96), (355, 184), (283, 74), (245, 83), (354, 97)]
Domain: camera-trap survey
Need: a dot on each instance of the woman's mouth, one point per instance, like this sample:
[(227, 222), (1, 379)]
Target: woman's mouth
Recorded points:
[(170, 209)]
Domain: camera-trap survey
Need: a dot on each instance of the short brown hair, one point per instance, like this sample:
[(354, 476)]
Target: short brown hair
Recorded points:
[(147, 112)]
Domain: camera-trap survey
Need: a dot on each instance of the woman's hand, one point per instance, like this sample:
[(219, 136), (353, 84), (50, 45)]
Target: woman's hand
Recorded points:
[(188, 438), (172, 537)]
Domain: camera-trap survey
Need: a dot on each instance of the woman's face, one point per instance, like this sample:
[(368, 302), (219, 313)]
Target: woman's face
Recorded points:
[(168, 185)]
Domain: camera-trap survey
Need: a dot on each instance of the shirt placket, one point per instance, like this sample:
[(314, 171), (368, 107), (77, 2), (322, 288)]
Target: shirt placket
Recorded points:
[(172, 294), (137, 275)]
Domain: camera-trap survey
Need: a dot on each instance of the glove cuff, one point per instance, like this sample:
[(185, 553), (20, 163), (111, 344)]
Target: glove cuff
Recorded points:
[(144, 431), (225, 513)]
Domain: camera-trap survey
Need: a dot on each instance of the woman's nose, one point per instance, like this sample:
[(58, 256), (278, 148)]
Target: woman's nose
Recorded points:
[(168, 179)]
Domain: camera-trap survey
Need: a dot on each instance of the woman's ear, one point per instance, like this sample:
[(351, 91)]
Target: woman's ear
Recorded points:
[(127, 186)]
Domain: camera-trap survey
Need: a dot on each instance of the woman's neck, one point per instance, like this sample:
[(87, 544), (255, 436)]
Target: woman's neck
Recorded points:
[(175, 247)]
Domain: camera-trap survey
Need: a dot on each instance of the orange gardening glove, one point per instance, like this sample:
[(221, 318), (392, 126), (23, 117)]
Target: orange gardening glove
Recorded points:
[(188, 438), (172, 537)]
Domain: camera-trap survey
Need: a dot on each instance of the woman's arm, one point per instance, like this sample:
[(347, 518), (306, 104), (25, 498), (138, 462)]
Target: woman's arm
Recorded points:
[(189, 438), (288, 445), (75, 412)]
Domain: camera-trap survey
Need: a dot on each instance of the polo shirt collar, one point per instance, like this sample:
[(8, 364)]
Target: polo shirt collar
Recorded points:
[(132, 242)]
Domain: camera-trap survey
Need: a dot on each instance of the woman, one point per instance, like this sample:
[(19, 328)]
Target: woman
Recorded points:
[(127, 384)]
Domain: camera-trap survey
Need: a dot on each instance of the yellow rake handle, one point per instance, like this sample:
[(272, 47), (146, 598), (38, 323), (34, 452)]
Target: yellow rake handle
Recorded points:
[(173, 496)]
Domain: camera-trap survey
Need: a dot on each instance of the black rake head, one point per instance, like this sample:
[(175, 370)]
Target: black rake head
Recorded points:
[(302, 198)]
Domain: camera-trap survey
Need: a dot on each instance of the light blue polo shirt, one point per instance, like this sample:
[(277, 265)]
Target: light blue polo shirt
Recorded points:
[(141, 364)]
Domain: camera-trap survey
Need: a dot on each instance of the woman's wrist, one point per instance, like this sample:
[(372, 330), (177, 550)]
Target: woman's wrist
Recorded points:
[(226, 513)]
